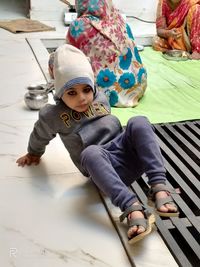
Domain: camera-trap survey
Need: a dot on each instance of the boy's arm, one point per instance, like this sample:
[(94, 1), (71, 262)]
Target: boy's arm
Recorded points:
[(40, 137)]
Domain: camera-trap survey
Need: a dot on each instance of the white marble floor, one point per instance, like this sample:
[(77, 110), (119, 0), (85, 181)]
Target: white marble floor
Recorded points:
[(50, 215)]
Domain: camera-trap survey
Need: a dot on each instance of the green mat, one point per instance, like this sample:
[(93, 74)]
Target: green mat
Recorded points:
[(173, 92)]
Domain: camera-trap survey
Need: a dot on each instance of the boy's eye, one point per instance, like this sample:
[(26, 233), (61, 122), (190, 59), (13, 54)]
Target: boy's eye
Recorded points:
[(87, 89), (71, 93)]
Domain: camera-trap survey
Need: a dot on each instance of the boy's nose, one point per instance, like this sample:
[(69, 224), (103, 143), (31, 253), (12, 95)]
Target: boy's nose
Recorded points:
[(82, 97)]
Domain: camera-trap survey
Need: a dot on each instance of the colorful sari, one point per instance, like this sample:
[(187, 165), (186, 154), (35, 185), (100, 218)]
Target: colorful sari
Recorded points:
[(186, 19), (102, 34)]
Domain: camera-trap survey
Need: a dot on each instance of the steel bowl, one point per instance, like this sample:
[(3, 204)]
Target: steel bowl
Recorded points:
[(36, 97), (176, 55)]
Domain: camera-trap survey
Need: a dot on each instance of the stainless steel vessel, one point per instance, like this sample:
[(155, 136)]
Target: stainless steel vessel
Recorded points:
[(37, 95)]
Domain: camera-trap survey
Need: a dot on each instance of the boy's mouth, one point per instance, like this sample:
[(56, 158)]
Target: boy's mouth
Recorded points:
[(83, 108)]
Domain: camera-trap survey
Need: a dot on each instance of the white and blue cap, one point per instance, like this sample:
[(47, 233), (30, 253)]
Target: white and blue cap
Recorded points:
[(71, 67)]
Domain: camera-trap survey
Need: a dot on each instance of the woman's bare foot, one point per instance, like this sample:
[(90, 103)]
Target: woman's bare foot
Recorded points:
[(169, 207), (195, 55), (135, 230)]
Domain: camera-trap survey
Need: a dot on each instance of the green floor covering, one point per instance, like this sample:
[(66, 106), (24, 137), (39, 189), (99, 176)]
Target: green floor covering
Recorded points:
[(173, 92)]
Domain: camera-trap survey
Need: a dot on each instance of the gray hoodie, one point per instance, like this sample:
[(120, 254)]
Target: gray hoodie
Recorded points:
[(77, 130)]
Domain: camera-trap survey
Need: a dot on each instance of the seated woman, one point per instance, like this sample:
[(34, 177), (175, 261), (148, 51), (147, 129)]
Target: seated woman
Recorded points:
[(178, 26), (102, 34)]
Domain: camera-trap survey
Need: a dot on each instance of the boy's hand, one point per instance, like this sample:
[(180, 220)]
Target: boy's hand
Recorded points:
[(28, 159)]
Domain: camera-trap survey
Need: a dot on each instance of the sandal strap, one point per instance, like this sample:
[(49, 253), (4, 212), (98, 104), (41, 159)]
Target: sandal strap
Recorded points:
[(138, 222), (130, 209), (162, 187), (162, 201)]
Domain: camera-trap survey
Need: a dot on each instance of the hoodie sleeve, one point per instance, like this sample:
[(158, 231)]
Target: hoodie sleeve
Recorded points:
[(40, 137)]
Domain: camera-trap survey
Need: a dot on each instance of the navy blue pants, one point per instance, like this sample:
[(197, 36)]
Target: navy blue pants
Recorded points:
[(115, 166)]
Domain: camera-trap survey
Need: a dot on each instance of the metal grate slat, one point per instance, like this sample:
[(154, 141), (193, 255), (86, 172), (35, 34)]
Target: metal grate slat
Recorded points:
[(180, 146), (182, 154), (185, 143), (187, 235), (187, 132), (179, 165), (182, 184)]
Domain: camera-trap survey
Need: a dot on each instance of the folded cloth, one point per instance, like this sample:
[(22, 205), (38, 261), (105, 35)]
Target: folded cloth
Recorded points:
[(24, 25)]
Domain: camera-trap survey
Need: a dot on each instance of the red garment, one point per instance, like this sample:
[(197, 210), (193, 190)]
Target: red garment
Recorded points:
[(185, 18)]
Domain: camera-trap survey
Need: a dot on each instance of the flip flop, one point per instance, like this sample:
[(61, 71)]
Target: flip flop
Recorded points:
[(147, 222), (157, 203)]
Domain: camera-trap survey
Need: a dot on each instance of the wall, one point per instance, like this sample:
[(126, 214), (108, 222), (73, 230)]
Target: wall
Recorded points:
[(52, 13), (54, 9), (47, 10), (144, 9)]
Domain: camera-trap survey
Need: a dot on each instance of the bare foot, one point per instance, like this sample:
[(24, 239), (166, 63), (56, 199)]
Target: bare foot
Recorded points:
[(195, 55), (170, 207), (135, 230)]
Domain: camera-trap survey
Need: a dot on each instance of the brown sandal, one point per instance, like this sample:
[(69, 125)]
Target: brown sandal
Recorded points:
[(146, 222), (157, 203)]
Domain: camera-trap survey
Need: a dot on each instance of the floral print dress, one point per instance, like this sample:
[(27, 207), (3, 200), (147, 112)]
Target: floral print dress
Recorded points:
[(101, 33)]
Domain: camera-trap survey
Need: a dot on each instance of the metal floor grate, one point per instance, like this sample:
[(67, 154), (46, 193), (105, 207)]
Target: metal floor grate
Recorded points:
[(180, 146)]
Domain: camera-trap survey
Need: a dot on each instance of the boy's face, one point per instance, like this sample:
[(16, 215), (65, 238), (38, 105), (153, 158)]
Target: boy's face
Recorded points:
[(78, 97)]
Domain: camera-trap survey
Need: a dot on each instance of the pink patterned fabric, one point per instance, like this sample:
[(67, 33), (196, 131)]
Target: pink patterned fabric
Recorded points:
[(102, 34)]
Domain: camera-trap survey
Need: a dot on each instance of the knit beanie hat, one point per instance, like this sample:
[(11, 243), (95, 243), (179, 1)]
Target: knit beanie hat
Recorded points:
[(71, 67)]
